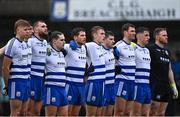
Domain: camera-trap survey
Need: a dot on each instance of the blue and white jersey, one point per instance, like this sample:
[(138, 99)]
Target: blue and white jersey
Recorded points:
[(96, 58), (126, 61), (16, 50), (110, 66), (143, 61), (76, 63), (55, 68), (39, 48)]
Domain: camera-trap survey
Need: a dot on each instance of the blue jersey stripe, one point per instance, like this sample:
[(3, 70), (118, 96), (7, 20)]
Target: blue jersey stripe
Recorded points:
[(142, 70), (97, 73), (19, 66), (128, 67), (75, 75), (99, 66), (110, 71), (141, 77), (29, 65), (75, 68), (56, 73), (37, 70), (128, 74), (38, 63), (19, 73), (110, 78)]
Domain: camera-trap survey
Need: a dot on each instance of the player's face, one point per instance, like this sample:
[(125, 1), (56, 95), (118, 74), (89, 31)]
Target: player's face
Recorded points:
[(42, 29), (23, 32), (131, 33), (59, 43), (81, 38), (163, 37), (144, 37), (31, 31), (100, 34), (109, 42)]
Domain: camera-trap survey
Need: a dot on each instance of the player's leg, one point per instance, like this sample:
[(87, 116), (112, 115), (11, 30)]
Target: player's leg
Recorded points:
[(99, 111), (24, 108), (26, 95), (91, 110), (76, 99), (120, 104), (30, 107), (50, 110), (145, 109), (15, 107), (162, 109), (94, 91), (147, 103), (154, 108), (137, 109), (62, 111), (109, 110), (74, 110), (36, 92), (37, 107), (129, 108), (126, 96)]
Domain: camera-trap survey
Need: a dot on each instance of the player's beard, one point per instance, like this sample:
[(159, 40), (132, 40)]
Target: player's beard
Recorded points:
[(163, 42), (43, 35)]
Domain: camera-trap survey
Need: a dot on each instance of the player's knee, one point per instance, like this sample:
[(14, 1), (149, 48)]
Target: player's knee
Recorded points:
[(153, 112), (136, 113), (119, 113), (127, 113), (23, 112), (36, 112), (145, 114), (161, 113)]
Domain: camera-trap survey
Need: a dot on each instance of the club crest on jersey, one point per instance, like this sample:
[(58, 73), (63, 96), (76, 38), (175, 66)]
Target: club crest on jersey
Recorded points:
[(166, 52)]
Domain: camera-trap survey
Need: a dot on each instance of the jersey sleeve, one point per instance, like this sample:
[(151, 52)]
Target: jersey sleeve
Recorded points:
[(10, 48)]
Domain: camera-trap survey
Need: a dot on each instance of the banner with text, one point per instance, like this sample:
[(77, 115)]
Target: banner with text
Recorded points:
[(114, 10)]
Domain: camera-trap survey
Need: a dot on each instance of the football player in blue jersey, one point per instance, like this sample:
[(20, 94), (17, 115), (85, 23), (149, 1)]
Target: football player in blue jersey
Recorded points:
[(15, 68), (54, 94), (124, 80), (142, 98), (94, 90), (76, 63), (110, 74), (38, 47)]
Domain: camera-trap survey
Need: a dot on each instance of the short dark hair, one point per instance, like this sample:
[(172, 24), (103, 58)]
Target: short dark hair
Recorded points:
[(157, 31), (21, 22), (37, 22), (54, 35), (76, 31), (141, 30), (108, 33), (126, 26), (94, 29)]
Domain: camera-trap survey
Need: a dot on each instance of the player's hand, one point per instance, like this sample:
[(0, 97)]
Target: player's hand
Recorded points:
[(5, 91), (174, 90), (117, 70)]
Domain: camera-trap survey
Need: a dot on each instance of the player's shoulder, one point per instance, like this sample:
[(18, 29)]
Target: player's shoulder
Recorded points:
[(151, 47), (121, 42)]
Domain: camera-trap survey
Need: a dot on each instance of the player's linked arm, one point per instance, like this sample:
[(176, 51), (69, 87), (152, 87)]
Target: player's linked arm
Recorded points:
[(2, 50), (172, 83), (6, 69)]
